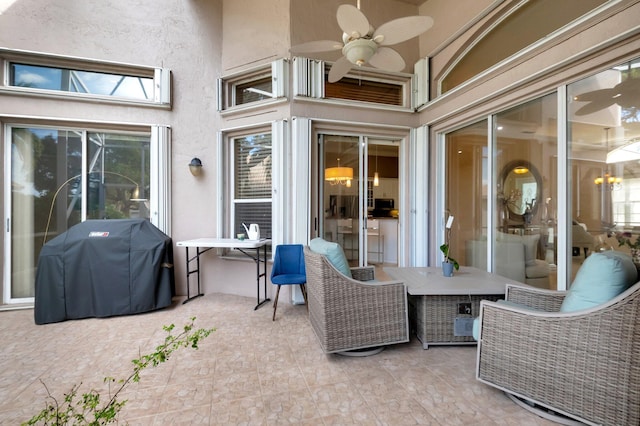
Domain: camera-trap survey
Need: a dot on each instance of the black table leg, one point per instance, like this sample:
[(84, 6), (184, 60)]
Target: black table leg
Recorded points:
[(195, 271)]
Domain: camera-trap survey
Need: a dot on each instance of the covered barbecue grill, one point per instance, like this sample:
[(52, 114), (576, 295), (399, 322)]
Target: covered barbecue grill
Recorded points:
[(103, 268)]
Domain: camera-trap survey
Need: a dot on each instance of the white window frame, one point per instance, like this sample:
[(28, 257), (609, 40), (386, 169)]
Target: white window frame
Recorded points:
[(278, 70), (161, 96), (226, 176), (159, 180), (309, 84)]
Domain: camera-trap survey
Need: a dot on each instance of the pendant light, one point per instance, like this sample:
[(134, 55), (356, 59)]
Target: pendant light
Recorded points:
[(376, 178)]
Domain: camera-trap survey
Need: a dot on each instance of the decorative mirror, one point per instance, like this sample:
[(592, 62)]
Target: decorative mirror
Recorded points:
[(521, 190)]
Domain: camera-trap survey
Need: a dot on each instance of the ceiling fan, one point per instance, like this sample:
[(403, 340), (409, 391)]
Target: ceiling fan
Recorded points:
[(362, 44), (625, 94)]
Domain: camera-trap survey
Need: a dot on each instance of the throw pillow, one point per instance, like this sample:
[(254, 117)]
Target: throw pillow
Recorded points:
[(333, 252), (601, 277)]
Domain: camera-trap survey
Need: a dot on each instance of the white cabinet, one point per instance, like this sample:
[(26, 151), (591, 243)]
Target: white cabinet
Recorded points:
[(389, 230)]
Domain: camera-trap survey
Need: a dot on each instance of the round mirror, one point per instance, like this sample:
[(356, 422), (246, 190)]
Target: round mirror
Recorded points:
[(521, 190)]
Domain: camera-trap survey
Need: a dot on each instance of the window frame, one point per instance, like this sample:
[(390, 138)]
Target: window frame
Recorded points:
[(159, 174), (228, 85), (226, 227), (161, 77), (310, 79)]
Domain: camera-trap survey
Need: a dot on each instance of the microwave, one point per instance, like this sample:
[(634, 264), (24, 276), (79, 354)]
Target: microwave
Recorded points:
[(383, 203)]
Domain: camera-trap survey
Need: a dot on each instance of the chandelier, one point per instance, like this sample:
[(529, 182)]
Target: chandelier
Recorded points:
[(608, 181), (339, 175), (613, 182)]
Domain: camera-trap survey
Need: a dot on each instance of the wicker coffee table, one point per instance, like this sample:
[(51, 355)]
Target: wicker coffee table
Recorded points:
[(441, 309)]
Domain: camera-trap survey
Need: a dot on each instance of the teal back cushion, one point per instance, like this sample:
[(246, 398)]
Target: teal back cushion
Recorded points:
[(601, 277), (334, 254)]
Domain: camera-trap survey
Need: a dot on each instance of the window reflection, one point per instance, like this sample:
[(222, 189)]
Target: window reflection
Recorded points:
[(604, 153), (78, 81)]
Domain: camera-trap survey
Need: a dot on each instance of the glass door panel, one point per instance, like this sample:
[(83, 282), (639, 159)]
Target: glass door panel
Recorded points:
[(526, 150), (382, 201), (466, 184), (118, 177), (340, 193), (604, 162), (46, 197), (45, 177)]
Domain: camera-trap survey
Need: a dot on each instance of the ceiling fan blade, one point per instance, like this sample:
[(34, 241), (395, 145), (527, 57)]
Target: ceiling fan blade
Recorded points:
[(387, 59), (401, 29), (339, 69), (592, 107), (352, 21), (600, 95), (316, 46)]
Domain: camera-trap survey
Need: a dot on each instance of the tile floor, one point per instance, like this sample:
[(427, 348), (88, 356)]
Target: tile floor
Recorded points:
[(250, 371)]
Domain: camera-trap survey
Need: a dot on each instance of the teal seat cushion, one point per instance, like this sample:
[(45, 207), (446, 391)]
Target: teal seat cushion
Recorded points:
[(476, 329), (601, 277), (334, 254)]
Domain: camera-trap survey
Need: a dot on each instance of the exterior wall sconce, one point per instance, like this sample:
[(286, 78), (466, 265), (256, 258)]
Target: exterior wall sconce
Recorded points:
[(195, 166)]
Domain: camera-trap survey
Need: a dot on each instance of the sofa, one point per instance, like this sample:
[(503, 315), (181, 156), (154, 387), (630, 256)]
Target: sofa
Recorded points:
[(516, 258)]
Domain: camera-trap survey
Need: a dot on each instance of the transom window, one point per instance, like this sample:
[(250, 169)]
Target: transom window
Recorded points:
[(79, 81), (254, 87), (48, 75)]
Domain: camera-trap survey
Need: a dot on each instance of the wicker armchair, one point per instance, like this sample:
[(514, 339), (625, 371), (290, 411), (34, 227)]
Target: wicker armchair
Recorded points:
[(583, 364), (349, 314)]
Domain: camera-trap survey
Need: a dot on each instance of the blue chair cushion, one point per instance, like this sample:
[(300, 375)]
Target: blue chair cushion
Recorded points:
[(334, 254), (601, 277), (284, 279)]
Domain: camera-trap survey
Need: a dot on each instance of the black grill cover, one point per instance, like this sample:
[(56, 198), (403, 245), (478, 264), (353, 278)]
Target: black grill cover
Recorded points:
[(102, 268)]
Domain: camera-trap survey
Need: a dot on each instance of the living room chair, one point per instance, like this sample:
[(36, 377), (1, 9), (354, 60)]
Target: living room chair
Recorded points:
[(349, 311), (288, 269), (576, 353)]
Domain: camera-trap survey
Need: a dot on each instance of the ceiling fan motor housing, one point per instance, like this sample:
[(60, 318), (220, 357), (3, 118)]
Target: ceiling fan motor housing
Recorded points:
[(359, 51)]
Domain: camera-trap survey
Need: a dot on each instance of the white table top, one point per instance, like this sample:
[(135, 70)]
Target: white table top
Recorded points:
[(467, 280), (223, 243)]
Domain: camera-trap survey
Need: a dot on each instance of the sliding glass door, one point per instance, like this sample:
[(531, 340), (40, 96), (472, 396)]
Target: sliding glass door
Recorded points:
[(508, 168), (359, 193), (60, 177)]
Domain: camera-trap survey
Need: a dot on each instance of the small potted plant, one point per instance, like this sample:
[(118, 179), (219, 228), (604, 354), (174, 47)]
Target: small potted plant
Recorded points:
[(449, 263), (633, 242)]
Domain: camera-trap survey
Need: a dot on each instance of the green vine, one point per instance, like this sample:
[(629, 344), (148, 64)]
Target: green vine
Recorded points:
[(88, 408)]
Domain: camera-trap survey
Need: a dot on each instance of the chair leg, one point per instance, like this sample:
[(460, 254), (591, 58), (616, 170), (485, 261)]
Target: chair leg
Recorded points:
[(275, 304), (303, 289)]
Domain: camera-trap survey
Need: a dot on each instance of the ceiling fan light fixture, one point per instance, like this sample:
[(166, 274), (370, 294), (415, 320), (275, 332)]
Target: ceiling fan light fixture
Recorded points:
[(359, 51)]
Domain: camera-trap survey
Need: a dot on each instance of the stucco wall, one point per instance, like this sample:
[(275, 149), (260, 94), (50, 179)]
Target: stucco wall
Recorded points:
[(183, 36)]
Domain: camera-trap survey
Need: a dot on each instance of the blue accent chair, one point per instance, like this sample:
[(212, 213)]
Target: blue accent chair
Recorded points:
[(288, 269)]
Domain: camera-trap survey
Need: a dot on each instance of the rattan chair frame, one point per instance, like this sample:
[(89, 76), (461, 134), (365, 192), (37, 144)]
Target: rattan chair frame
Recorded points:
[(349, 314), (583, 364)]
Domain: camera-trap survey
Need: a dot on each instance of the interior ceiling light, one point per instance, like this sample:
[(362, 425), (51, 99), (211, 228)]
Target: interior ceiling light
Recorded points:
[(608, 181), (521, 170), (362, 44), (627, 152), (376, 177), (339, 175)]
